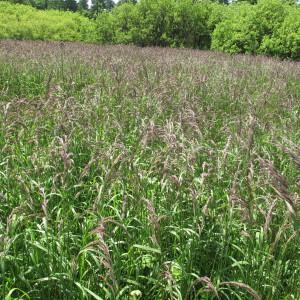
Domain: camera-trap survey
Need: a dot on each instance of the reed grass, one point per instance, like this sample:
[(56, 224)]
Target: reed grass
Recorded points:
[(147, 173)]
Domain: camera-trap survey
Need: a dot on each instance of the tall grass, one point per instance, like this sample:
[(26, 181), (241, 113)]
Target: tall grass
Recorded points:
[(130, 173)]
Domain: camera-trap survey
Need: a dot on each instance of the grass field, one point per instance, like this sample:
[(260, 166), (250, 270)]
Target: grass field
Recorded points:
[(147, 173)]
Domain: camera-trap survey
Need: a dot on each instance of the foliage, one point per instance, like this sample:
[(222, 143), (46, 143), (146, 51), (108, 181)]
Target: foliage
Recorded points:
[(126, 1), (286, 39), (237, 28), (188, 25), (154, 18), (70, 5), (268, 27), (161, 23), (105, 28), (99, 6), (25, 22), (83, 5), (237, 33)]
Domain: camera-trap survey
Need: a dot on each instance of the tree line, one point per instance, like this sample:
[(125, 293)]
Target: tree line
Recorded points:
[(96, 7), (269, 27)]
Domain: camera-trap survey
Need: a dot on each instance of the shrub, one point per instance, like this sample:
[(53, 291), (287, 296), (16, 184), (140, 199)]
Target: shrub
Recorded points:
[(285, 42), (155, 16), (105, 27), (249, 28), (237, 33), (24, 22), (158, 22), (188, 26), (270, 27), (126, 23)]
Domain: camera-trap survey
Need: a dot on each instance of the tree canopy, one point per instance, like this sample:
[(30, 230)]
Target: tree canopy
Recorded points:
[(270, 27)]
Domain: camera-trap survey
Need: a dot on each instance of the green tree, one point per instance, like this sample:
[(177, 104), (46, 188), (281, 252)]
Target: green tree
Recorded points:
[(188, 25), (83, 5), (25, 22), (224, 1), (99, 5), (105, 27), (285, 41), (126, 23), (237, 33), (56, 4), (42, 4), (126, 1), (246, 1), (249, 28), (71, 5), (20, 1), (154, 16)]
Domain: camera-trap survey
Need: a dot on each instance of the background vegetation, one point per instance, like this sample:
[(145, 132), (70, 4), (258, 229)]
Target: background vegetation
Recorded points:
[(269, 27), (24, 22), (147, 173)]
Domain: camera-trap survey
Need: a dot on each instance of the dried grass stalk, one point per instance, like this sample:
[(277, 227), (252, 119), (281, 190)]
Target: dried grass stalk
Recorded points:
[(244, 286), (279, 184)]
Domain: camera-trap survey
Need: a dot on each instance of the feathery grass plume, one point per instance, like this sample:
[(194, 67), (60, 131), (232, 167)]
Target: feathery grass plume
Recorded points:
[(173, 287), (235, 199), (144, 123), (48, 86), (293, 151), (250, 142), (205, 209), (278, 235), (225, 151), (64, 153), (115, 165), (269, 216), (5, 110), (244, 286), (106, 259), (13, 214), (250, 183), (153, 221), (188, 118), (250, 168), (206, 281), (87, 168), (124, 207), (279, 184), (44, 206)]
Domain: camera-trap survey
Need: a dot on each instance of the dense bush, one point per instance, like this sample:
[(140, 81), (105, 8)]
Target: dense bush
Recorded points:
[(25, 22), (189, 25), (159, 23), (286, 39), (237, 33), (270, 27)]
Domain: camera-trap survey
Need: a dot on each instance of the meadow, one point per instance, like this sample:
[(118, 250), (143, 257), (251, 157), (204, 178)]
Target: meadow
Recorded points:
[(147, 173)]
